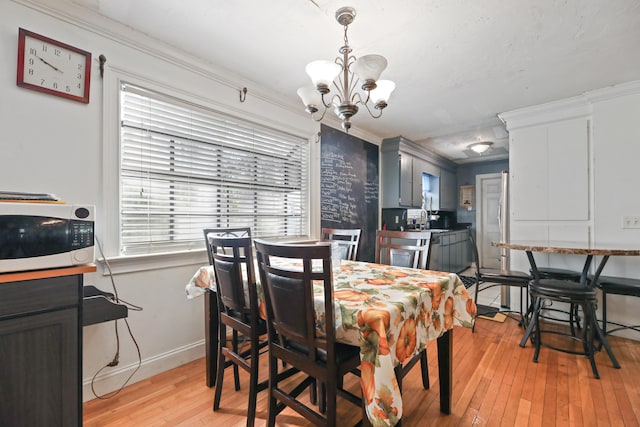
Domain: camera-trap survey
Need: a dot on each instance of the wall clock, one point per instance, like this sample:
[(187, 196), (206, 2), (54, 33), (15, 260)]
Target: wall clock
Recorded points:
[(52, 67)]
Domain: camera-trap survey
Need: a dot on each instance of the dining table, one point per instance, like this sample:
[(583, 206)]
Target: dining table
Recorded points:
[(389, 312), (589, 250)]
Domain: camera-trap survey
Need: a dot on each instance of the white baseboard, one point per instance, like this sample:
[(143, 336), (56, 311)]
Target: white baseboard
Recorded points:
[(112, 380)]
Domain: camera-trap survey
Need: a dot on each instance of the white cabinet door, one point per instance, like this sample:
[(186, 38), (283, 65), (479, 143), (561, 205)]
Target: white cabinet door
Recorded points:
[(568, 169), (549, 171), (528, 173)]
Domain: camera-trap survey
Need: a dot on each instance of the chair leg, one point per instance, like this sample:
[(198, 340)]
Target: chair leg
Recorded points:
[(398, 372), (221, 362), (331, 400), (424, 367), (475, 301), (322, 397), (535, 306), (253, 382), (313, 393), (604, 311), (273, 383), (589, 320), (604, 341), (236, 373), (538, 333)]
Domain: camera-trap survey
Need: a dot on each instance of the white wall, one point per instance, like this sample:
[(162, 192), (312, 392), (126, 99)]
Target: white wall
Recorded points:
[(50, 144)]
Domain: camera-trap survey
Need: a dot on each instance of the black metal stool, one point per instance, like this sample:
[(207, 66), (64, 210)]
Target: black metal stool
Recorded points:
[(617, 286), (573, 293), (563, 274)]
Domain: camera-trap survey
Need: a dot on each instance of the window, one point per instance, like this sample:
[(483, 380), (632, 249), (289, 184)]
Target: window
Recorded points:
[(184, 168)]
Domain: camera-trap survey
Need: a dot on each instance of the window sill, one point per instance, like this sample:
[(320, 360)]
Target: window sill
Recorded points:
[(136, 263), (146, 262)]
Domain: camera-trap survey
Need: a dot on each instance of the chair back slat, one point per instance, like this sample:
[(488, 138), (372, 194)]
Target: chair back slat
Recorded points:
[(348, 240), (403, 248)]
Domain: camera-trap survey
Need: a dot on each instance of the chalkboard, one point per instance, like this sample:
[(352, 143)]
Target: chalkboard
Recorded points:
[(349, 188)]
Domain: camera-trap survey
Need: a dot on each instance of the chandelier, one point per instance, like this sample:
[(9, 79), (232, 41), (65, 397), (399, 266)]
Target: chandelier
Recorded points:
[(345, 73)]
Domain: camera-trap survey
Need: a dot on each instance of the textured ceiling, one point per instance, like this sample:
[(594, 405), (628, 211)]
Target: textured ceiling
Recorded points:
[(456, 63)]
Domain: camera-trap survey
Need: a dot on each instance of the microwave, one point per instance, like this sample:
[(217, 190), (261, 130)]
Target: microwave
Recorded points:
[(36, 236)]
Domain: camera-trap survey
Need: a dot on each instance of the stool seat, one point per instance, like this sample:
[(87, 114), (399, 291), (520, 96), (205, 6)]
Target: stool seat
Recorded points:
[(511, 276), (562, 289), (619, 285), (558, 273)]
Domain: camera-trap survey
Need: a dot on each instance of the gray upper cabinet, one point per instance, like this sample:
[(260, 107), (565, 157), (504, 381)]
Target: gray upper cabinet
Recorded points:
[(448, 190), (405, 181), (403, 164)]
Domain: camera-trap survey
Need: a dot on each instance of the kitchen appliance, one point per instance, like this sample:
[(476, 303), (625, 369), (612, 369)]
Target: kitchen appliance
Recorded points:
[(45, 235)]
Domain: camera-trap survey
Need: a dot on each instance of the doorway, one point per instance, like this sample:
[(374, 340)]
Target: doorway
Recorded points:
[(488, 195)]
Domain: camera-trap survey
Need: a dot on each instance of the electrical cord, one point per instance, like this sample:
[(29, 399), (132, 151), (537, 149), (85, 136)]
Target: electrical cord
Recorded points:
[(116, 358)]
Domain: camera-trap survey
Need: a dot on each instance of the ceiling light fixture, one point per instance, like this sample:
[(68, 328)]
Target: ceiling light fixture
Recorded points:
[(344, 73), (481, 147)]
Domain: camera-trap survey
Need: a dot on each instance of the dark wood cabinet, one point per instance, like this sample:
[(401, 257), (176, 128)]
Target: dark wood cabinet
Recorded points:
[(41, 347)]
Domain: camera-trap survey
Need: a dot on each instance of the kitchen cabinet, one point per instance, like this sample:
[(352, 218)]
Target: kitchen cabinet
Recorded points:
[(408, 184), (550, 153), (405, 169), (450, 251), (406, 179), (41, 343), (448, 191)]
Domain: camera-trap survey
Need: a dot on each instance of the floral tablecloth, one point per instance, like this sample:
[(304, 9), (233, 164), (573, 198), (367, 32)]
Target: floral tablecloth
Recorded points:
[(391, 313)]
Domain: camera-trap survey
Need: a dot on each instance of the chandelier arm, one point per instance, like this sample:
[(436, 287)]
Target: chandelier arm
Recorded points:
[(353, 84), (321, 117), (371, 113)]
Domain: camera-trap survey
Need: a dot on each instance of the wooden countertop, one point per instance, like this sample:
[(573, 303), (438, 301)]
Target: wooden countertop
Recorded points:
[(17, 276)]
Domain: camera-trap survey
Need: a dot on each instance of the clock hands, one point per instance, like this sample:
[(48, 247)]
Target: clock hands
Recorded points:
[(55, 68)]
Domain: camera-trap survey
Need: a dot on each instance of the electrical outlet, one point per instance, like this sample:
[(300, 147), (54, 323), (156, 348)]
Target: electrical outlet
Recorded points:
[(631, 221)]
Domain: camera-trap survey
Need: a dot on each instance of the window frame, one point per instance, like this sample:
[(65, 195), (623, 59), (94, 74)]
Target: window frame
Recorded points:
[(110, 251)]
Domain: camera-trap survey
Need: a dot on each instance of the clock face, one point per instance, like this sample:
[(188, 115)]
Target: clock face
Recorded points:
[(53, 67)]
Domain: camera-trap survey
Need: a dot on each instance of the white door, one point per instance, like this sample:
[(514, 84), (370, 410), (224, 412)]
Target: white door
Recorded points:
[(488, 193)]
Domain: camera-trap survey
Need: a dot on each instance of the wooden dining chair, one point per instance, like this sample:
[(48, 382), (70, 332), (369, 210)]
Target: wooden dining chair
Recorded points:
[(293, 334), (403, 248), (406, 249), (348, 239), (230, 253), (487, 278)]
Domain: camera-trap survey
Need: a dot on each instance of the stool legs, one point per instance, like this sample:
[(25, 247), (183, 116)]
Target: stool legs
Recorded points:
[(590, 331)]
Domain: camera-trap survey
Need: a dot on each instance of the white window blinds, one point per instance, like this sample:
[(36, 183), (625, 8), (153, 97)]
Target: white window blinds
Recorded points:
[(184, 168)]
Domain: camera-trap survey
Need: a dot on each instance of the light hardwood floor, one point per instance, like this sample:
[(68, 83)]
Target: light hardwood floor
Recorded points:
[(495, 383)]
